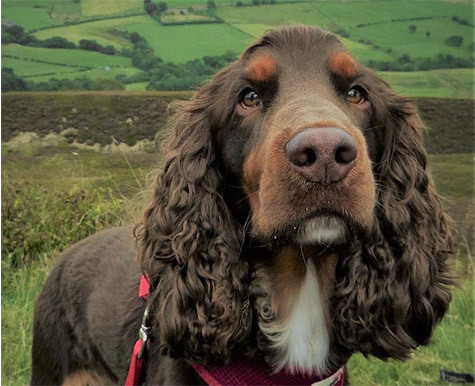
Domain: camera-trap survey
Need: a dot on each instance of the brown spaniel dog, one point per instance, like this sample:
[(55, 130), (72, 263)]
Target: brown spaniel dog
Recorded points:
[(294, 222)]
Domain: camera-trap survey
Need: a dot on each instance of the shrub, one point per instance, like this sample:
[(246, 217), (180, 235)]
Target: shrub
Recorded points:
[(11, 82), (162, 7), (57, 42), (36, 221), (454, 40)]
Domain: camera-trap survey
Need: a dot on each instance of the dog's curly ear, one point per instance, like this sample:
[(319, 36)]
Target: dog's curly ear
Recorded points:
[(189, 243), (393, 289)]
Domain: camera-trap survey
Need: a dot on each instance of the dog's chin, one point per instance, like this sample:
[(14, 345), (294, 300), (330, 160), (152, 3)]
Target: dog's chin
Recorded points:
[(322, 230)]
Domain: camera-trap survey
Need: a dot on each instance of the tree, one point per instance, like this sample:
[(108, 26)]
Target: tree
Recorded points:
[(57, 42), (412, 28), (108, 50), (454, 40), (211, 4), (7, 38), (239, 4), (256, 2), (428, 34), (13, 29), (134, 37), (162, 7), (405, 58), (150, 8), (11, 82)]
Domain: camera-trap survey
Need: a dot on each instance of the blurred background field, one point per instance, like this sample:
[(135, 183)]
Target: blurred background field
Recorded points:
[(176, 45), (79, 131)]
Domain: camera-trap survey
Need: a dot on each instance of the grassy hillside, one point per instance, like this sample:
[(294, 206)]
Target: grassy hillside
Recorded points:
[(110, 7), (376, 32), (187, 42), (65, 56), (33, 14), (455, 83), (94, 30)]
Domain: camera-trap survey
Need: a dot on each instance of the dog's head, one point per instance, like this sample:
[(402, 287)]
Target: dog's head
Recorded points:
[(313, 158)]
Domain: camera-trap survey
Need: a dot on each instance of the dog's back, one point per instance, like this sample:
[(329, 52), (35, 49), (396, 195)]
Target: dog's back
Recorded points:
[(86, 308)]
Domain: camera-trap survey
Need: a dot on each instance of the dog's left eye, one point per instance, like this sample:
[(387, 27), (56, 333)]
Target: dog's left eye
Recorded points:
[(250, 99), (356, 95)]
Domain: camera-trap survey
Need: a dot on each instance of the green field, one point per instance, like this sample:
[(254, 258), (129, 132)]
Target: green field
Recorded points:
[(454, 83), (66, 56), (95, 30), (378, 31), (417, 44), (186, 42), (30, 18), (27, 68), (33, 14), (110, 7), (141, 86)]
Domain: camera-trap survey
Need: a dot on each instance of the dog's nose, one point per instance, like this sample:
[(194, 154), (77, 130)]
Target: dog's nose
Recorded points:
[(324, 155)]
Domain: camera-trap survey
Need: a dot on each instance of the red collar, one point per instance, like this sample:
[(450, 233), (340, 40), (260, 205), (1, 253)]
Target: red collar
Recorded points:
[(238, 373)]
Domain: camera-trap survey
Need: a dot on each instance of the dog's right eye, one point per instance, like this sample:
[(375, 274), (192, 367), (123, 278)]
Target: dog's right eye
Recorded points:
[(250, 99)]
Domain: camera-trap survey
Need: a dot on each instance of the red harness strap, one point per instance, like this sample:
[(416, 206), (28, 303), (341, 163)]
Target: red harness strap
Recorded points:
[(136, 363), (238, 373), (243, 373)]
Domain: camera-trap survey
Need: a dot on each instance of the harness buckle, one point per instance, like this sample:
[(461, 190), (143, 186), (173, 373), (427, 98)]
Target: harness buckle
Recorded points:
[(144, 333)]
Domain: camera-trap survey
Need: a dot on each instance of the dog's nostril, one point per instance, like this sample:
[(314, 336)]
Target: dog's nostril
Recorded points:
[(310, 157), (301, 156), (345, 154)]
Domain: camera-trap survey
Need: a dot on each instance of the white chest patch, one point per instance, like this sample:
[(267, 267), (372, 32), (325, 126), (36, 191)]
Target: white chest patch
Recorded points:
[(303, 342)]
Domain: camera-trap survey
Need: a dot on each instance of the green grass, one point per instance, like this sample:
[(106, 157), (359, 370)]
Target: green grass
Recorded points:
[(358, 12), (452, 83), (451, 348), (88, 191), (454, 181), (417, 44), (274, 15), (66, 56), (33, 14), (109, 7), (187, 42), (141, 86), (95, 30), (27, 68), (29, 18)]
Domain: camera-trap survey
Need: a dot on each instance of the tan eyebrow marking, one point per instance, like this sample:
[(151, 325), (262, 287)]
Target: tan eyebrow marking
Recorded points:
[(261, 68), (341, 63)]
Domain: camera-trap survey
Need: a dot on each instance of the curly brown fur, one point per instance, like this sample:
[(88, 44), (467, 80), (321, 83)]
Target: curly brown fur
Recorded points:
[(190, 245), (246, 253), (393, 289)]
